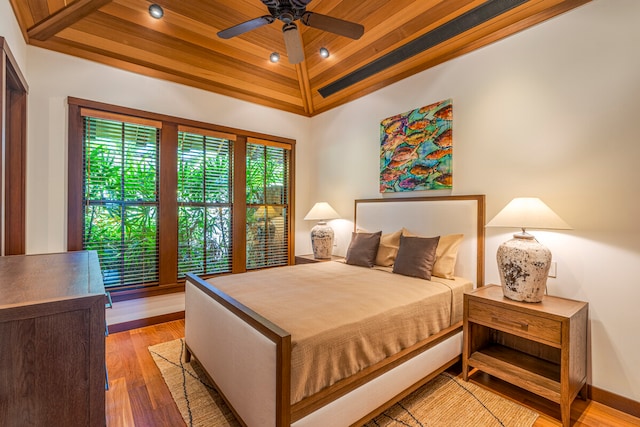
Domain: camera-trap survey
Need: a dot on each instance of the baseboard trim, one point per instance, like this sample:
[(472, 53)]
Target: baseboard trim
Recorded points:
[(615, 401), (141, 323)]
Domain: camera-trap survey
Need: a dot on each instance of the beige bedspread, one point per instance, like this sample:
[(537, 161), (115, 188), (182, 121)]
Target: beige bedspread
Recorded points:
[(344, 318)]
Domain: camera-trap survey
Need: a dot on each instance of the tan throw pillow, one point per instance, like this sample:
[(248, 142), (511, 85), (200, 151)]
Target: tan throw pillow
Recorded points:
[(446, 255), (363, 249), (407, 233), (388, 248), (416, 256)]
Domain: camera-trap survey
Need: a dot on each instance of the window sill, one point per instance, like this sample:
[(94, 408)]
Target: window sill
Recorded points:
[(124, 294)]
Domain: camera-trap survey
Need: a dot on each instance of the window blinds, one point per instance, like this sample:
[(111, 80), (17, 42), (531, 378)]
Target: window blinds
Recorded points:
[(204, 202), (121, 199), (267, 204), (121, 204)]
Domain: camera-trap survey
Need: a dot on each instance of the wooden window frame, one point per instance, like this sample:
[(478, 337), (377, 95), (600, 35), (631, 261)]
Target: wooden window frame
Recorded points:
[(168, 214)]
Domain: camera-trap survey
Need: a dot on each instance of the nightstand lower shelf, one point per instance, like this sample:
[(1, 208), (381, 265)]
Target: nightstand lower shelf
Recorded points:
[(521, 369)]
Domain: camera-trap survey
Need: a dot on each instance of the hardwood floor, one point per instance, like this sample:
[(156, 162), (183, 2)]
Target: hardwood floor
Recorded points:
[(583, 413), (138, 396)]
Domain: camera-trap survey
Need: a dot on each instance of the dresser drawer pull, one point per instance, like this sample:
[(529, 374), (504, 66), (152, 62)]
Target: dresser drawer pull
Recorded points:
[(522, 325)]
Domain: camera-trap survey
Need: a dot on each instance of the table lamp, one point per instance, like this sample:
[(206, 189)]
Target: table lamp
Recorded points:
[(524, 262), (322, 233)]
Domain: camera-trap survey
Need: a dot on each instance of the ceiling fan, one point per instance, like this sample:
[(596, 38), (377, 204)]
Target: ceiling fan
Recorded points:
[(289, 11)]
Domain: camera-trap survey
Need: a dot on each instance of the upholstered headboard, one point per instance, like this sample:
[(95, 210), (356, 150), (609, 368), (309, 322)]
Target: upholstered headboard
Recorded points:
[(432, 216)]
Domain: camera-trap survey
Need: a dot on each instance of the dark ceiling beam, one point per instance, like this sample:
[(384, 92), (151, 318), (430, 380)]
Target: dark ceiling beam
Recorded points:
[(450, 29), (64, 18)]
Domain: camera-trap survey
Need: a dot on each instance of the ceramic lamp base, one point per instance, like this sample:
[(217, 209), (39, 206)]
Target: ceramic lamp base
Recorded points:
[(524, 265), (322, 240)]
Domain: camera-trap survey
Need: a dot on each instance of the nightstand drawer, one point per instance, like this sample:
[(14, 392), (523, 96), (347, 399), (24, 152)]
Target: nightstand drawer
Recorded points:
[(515, 322)]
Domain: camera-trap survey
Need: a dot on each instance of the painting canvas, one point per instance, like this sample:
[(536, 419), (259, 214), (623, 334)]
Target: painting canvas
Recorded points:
[(416, 149)]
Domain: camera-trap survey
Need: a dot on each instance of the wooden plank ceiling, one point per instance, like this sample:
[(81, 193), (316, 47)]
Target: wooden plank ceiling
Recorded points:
[(183, 46)]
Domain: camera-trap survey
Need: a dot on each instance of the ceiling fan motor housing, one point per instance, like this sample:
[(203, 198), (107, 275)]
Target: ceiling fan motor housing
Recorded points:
[(300, 4), (286, 10)]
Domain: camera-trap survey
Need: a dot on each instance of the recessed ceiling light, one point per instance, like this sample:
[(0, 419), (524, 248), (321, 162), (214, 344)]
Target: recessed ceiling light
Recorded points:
[(156, 11), (274, 57), (324, 52)]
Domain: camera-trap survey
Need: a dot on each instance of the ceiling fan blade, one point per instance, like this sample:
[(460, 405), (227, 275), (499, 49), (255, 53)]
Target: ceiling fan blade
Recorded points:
[(292, 41), (333, 25), (244, 27)]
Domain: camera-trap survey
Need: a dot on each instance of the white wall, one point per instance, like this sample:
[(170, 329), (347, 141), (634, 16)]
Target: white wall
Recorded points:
[(10, 30), (551, 112)]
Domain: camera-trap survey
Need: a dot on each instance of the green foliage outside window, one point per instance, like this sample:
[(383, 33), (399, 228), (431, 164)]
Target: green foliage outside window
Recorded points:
[(121, 200), (267, 199), (204, 204)]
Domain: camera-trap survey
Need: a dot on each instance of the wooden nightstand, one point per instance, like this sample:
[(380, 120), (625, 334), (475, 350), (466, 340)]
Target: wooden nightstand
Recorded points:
[(309, 259), (541, 347)]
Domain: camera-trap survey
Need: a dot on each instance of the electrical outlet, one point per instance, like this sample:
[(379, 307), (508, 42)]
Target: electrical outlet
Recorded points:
[(553, 269)]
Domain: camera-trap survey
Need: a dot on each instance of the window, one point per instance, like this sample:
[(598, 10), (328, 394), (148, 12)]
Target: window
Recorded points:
[(267, 175), (204, 202), (160, 196), (121, 199)]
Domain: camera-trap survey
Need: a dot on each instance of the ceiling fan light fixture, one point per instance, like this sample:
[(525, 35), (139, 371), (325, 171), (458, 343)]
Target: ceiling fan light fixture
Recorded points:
[(156, 11), (274, 57), (324, 52)]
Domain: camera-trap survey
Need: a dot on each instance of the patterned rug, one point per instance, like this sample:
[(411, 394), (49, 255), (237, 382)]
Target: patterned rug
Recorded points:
[(444, 401)]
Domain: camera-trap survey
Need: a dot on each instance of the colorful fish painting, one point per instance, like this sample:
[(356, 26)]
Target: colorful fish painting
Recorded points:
[(416, 149)]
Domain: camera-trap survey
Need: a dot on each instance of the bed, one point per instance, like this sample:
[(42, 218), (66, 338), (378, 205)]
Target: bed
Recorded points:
[(259, 345)]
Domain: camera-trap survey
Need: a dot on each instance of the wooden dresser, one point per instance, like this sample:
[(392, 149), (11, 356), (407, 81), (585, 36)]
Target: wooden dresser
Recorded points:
[(52, 340)]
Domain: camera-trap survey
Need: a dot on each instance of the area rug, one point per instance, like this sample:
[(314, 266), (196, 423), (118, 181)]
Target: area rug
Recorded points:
[(445, 401)]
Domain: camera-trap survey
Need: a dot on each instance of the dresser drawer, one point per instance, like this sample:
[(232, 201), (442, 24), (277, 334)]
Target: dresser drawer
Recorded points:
[(516, 322)]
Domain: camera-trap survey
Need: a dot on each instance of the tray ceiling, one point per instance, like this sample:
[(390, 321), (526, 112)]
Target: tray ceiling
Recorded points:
[(401, 38)]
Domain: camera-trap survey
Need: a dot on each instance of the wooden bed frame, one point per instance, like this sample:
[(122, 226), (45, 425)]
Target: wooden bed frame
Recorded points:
[(248, 358)]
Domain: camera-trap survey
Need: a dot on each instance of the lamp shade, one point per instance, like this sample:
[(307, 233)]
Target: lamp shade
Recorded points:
[(321, 211), (528, 212)]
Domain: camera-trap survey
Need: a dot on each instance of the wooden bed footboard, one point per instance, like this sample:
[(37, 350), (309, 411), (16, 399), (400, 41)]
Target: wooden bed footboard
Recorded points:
[(247, 356)]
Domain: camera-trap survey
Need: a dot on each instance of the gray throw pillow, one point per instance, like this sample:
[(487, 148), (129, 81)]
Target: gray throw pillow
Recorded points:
[(363, 249), (416, 256)]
